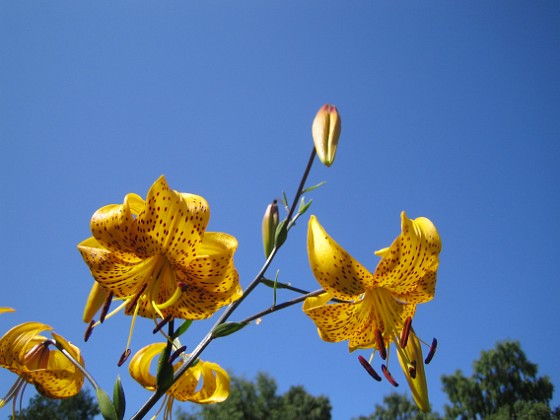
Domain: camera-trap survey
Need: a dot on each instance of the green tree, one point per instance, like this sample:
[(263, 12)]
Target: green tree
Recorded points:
[(398, 407), (504, 385), (83, 406), (259, 400)]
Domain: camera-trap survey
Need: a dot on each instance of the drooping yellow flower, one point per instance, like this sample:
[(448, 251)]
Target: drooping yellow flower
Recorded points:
[(203, 383), (376, 306), (157, 257), (26, 353)]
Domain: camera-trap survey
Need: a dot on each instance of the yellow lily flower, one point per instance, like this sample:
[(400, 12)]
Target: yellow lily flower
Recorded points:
[(25, 352), (376, 306), (157, 257), (203, 383)]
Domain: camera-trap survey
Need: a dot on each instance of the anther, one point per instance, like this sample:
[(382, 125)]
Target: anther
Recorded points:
[(162, 323), (123, 358), (369, 369), (89, 330), (131, 305), (177, 353), (405, 332), (182, 285), (412, 369), (430, 355), (388, 375), (380, 343), (106, 306)]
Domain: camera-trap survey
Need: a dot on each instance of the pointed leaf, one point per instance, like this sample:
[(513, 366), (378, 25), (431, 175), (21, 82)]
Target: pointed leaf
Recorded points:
[(182, 329), (105, 405), (303, 207), (228, 328), (118, 398), (314, 187)]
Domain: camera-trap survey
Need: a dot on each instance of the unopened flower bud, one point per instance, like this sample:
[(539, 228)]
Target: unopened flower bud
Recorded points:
[(269, 225), (326, 132)]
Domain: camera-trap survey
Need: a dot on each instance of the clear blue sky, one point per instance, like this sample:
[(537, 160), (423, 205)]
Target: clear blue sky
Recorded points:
[(451, 110)]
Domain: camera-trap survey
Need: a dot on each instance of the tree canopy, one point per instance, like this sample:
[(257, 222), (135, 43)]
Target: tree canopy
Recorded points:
[(83, 406)]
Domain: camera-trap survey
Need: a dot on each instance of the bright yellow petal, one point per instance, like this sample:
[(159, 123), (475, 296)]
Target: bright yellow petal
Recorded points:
[(411, 355), (335, 270), (215, 387), (96, 299), (171, 223), (15, 343), (357, 322), (113, 227), (408, 267), (6, 309), (139, 367)]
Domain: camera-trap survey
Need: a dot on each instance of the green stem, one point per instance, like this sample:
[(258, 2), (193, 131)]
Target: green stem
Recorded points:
[(155, 397)]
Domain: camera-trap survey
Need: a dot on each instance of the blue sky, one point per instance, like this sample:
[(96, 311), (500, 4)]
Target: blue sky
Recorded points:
[(450, 110)]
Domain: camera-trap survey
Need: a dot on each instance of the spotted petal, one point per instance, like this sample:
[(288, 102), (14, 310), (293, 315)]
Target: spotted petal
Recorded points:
[(408, 267), (357, 321), (335, 270)]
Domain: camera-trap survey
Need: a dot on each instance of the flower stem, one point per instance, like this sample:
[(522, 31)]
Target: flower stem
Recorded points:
[(154, 398)]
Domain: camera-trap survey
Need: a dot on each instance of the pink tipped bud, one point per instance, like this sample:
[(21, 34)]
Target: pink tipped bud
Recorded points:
[(326, 132), (269, 225), (369, 369)]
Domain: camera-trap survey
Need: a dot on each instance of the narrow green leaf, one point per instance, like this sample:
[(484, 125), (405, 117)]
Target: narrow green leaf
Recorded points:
[(118, 398), (303, 207), (106, 407), (165, 370), (227, 328), (281, 233), (285, 201), (182, 329), (314, 187)]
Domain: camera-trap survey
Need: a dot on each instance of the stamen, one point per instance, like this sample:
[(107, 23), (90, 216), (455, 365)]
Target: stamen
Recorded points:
[(106, 306), (177, 353), (380, 343), (405, 332), (134, 301), (89, 330), (369, 369), (123, 358), (389, 376), (412, 369), (430, 355), (162, 323)]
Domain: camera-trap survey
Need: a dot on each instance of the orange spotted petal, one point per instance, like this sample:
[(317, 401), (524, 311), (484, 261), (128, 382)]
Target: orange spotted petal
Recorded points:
[(335, 270), (408, 267), (16, 342), (172, 223)]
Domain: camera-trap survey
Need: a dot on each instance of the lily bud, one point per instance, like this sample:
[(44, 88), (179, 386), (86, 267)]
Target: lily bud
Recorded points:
[(412, 363), (269, 225), (326, 132)]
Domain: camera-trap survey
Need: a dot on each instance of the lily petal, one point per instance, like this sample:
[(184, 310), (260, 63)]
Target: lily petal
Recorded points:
[(412, 354), (335, 270), (408, 267), (6, 309)]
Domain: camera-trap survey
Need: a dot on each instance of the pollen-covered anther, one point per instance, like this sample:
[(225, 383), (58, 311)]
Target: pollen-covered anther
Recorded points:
[(405, 332), (132, 304), (388, 376), (412, 369), (123, 358), (106, 306), (89, 330), (380, 343), (369, 369), (177, 353), (430, 355), (162, 323)]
